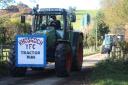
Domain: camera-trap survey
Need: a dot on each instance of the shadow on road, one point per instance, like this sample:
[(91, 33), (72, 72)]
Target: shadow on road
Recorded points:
[(33, 76), (78, 78), (110, 72), (30, 77)]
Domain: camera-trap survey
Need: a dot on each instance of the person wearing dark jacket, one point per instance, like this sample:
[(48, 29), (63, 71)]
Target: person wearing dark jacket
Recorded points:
[(55, 23)]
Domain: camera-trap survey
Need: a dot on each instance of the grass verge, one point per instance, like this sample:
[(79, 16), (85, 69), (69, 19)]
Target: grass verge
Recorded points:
[(90, 51), (110, 73), (3, 69)]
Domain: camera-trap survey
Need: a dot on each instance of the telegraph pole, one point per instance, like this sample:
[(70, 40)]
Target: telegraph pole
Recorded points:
[(96, 36)]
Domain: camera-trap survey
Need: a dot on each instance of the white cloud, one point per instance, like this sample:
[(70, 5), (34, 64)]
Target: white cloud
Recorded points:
[(79, 4)]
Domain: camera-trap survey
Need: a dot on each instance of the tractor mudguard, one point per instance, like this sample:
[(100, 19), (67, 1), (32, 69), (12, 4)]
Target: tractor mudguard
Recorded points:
[(75, 41)]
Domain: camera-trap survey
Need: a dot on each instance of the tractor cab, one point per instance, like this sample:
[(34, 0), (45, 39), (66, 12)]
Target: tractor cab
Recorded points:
[(109, 41), (47, 18)]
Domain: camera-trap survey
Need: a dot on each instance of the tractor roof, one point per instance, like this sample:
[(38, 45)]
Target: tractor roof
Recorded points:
[(49, 11)]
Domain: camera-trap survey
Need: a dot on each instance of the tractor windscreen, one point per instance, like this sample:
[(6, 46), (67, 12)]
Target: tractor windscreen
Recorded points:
[(41, 22)]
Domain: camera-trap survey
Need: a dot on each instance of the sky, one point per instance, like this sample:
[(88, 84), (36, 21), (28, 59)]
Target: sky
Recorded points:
[(79, 4)]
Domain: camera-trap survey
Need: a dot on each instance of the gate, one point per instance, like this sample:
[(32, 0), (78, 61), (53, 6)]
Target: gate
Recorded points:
[(4, 53)]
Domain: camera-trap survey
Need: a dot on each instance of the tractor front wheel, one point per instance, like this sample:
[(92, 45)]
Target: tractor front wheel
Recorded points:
[(63, 60)]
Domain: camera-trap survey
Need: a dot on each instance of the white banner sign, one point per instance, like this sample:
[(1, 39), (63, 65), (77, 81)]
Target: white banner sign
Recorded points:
[(31, 51)]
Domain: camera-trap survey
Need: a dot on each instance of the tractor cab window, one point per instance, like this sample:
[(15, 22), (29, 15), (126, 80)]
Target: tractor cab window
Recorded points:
[(41, 22)]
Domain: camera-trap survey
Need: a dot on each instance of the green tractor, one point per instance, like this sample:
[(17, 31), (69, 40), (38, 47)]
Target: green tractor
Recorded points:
[(46, 42)]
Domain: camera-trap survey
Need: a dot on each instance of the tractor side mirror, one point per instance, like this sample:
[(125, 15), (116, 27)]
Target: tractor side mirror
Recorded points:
[(73, 18), (22, 19)]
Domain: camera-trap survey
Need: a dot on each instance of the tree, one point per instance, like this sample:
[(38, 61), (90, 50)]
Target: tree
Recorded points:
[(115, 12), (102, 27), (10, 23)]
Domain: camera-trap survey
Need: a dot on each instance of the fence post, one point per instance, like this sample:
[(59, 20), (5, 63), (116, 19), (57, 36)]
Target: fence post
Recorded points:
[(1, 54)]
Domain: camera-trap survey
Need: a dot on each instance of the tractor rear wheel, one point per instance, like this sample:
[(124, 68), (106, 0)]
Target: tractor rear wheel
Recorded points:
[(78, 57), (63, 60), (14, 71)]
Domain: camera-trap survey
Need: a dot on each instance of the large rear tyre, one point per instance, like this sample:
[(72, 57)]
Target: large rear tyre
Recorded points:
[(63, 60), (78, 54), (13, 70)]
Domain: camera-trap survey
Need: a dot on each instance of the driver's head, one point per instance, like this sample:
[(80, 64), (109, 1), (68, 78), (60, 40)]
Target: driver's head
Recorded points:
[(53, 17)]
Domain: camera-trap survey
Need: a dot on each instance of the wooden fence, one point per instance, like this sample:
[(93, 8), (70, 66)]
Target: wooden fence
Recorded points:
[(118, 53)]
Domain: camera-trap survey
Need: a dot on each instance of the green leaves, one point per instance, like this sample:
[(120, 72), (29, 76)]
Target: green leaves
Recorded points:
[(3, 20), (115, 12)]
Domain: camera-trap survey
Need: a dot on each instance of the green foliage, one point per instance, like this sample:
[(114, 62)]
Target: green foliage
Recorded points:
[(9, 27), (115, 12), (90, 51), (124, 46), (3, 20), (18, 28), (21, 27), (110, 73), (10, 22), (4, 71), (89, 41), (102, 28)]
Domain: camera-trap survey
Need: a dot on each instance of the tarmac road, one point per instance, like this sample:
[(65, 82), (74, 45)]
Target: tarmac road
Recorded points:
[(48, 76)]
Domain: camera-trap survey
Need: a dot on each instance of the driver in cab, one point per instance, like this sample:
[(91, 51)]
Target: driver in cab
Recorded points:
[(54, 22)]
